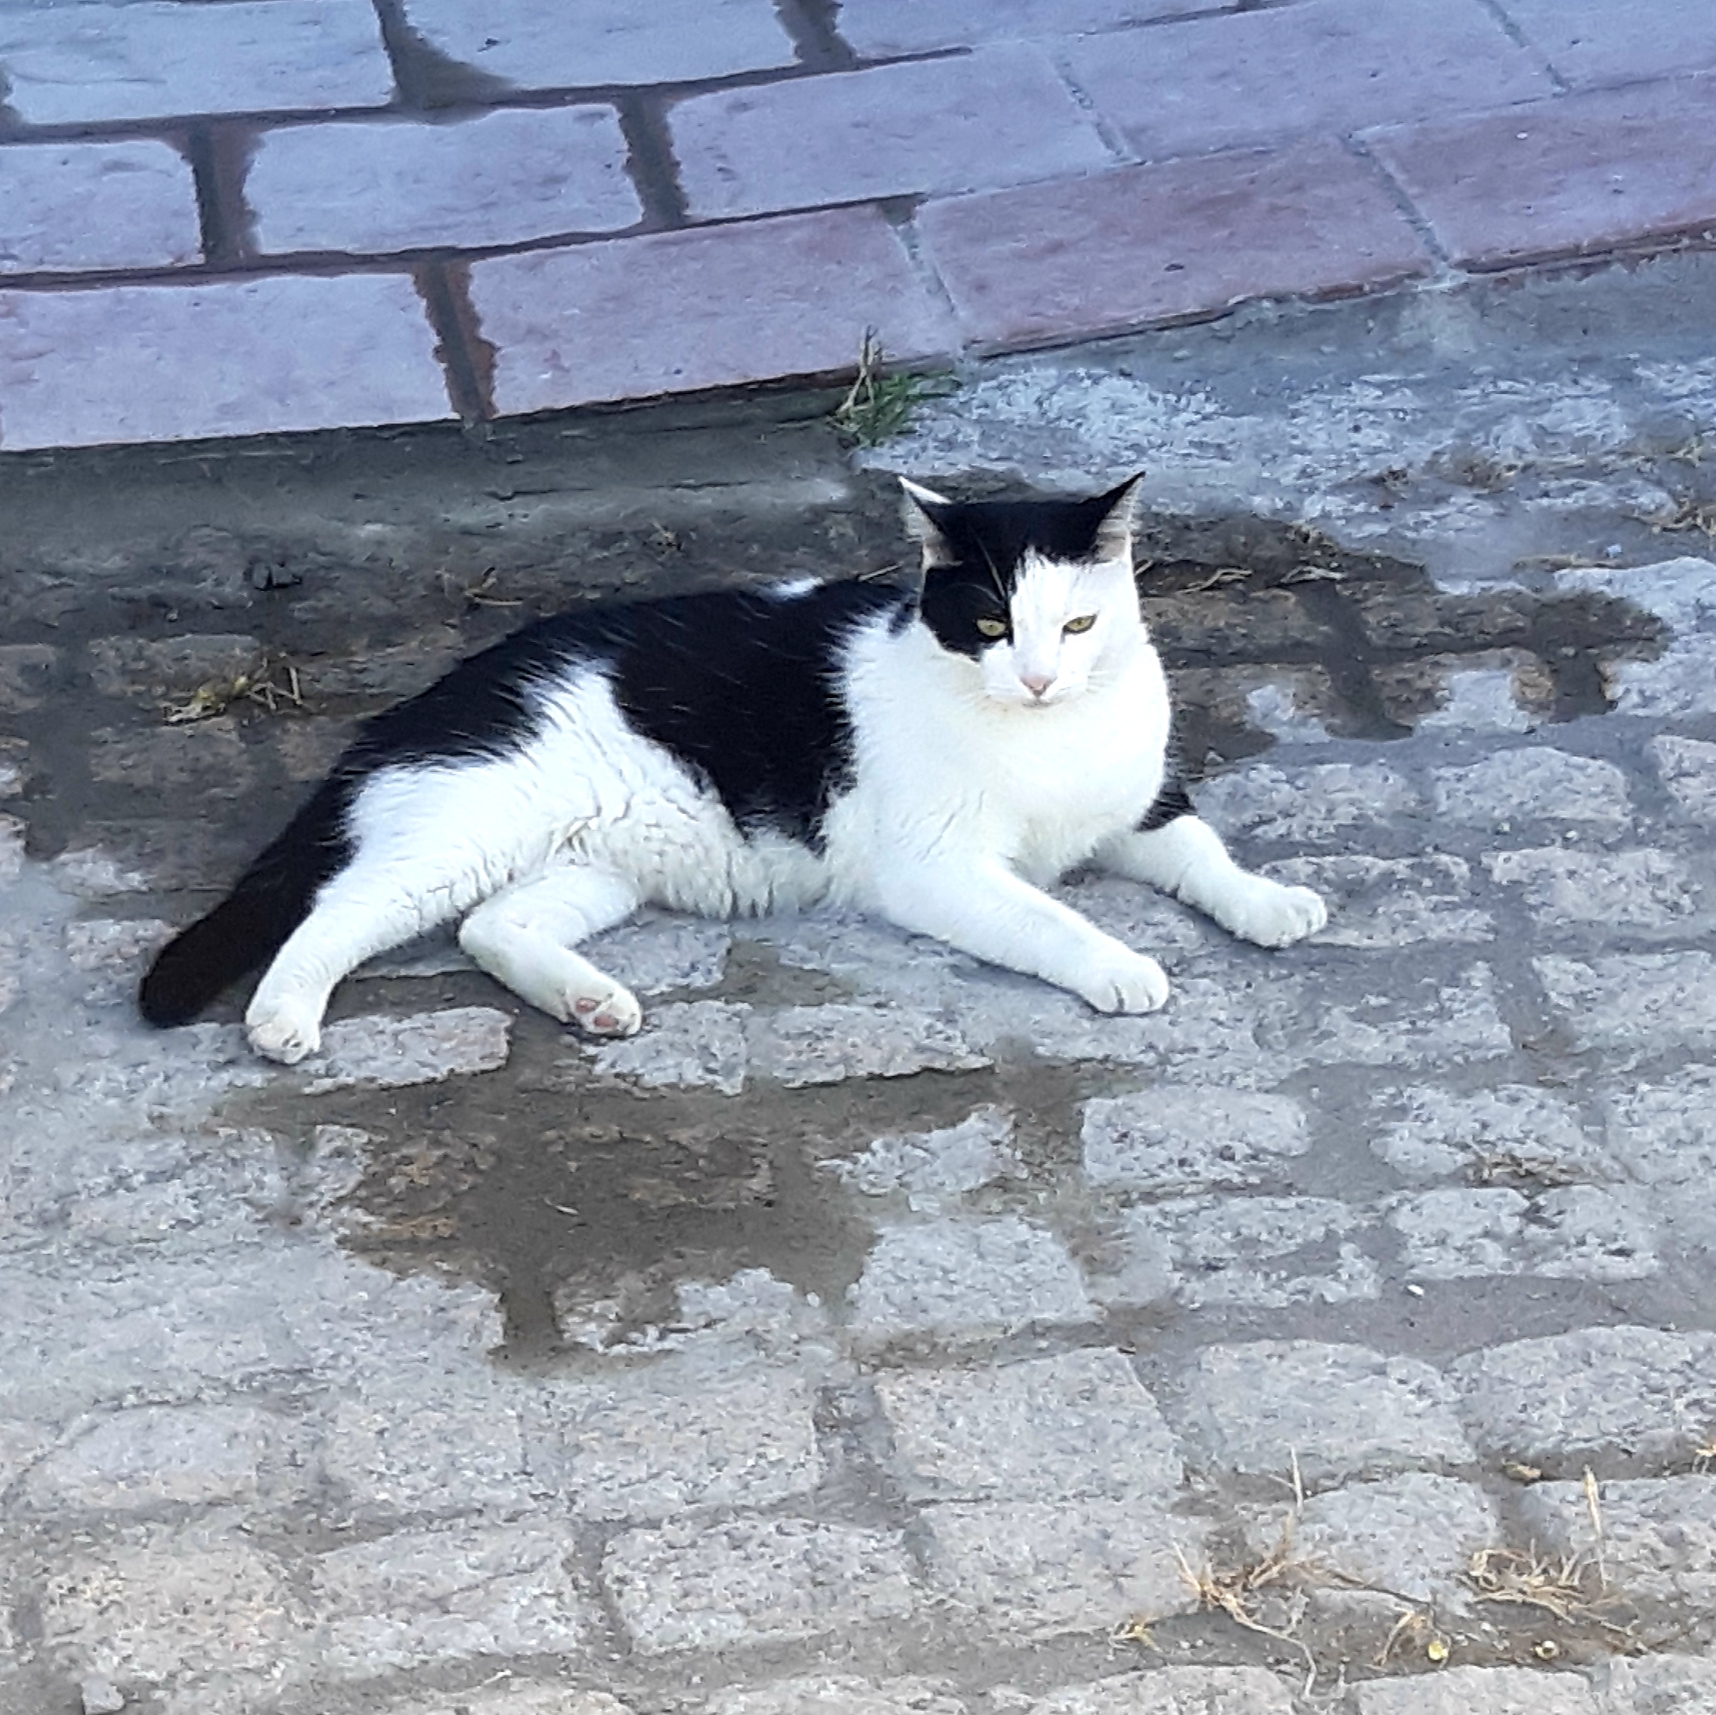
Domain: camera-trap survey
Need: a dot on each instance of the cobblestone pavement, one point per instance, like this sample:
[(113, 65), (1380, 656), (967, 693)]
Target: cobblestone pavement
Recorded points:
[(266, 215), (877, 1333)]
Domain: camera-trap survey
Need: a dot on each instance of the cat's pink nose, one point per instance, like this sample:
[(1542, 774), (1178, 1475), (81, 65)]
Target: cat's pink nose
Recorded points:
[(1036, 683)]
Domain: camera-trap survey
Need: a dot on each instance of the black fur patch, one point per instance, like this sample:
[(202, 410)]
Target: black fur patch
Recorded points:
[(739, 686), (1170, 805)]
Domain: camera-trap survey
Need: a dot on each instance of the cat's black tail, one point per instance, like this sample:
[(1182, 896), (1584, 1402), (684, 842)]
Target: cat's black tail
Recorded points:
[(251, 924)]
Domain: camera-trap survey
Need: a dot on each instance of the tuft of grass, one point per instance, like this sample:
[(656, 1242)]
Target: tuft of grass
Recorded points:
[(272, 684), (880, 405)]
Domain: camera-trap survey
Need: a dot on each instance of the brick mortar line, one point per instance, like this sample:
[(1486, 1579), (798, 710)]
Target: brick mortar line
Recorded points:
[(1520, 39), (814, 26), (650, 161), (1408, 210), (466, 358), (1112, 137)]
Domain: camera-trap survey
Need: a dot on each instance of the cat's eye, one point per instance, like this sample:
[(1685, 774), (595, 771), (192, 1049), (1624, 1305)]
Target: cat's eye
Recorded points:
[(992, 627), (1083, 623)]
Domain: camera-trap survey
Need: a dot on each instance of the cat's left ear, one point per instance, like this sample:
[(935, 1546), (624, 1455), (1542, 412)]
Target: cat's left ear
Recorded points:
[(923, 510), (1118, 507)]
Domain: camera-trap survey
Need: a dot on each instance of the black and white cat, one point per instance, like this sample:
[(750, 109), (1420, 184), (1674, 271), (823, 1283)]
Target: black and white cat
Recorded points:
[(936, 757)]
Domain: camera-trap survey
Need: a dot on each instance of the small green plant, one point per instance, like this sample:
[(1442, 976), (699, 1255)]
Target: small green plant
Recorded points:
[(879, 405)]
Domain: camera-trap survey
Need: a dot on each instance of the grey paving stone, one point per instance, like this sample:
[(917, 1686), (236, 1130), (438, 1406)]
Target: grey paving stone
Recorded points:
[(448, 1594), (649, 1453), (1313, 803), (1681, 591), (385, 1053), (1660, 1685), (753, 1581), (1611, 1398), (1172, 1691), (934, 1167), (1688, 770), (1418, 1020), (1658, 1541), (183, 1325), (673, 312), (381, 186), (1252, 1252), (1665, 1133), (1577, 174), (76, 207), (1577, 1232), (1533, 784), (217, 357), (27, 674), (841, 1694), (208, 757), (1080, 1424), (801, 1045), (1589, 42), (1411, 1535), (555, 1699), (157, 1456), (657, 954), (1390, 902), (409, 1446), (1063, 1566), (1484, 699), (965, 1279), (1478, 1691), (1190, 1137), (164, 1603), (1344, 1411), (149, 1190), (1677, 683), (1073, 258), (536, 44), (150, 670), (1623, 890), (71, 65), (999, 115), (15, 767), (683, 1044), (1641, 1001), (1514, 1129), (1326, 66)]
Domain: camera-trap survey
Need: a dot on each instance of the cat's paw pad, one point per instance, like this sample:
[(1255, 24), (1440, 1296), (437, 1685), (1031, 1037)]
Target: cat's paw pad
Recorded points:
[(614, 1012), (1135, 983), (283, 1031), (1274, 915)]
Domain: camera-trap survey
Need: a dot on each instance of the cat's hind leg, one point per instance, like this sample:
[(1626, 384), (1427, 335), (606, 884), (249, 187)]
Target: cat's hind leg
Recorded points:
[(523, 937), (370, 906), (1185, 857)]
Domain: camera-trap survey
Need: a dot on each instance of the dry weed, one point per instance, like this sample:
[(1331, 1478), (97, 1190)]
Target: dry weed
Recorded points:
[(272, 684)]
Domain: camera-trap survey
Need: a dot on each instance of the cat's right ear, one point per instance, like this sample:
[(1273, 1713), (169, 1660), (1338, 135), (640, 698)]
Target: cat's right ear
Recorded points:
[(922, 509)]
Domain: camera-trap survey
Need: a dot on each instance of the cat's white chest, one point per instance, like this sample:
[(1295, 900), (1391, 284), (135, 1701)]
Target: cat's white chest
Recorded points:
[(952, 775)]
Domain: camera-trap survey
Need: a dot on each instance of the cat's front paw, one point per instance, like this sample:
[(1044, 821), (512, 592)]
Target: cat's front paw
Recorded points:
[(1129, 982), (1270, 914), (284, 1031), (614, 1012)]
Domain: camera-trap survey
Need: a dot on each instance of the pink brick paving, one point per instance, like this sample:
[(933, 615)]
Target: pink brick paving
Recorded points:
[(296, 214)]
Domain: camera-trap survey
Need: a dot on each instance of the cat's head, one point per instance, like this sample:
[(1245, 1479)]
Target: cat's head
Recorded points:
[(1038, 594)]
